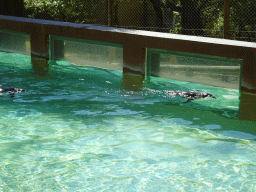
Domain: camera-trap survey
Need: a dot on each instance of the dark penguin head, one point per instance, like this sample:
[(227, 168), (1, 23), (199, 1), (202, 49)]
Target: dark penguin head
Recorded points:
[(204, 95), (11, 90)]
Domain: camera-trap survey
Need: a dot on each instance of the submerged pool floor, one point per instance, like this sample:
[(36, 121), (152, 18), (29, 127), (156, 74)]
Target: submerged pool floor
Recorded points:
[(78, 129)]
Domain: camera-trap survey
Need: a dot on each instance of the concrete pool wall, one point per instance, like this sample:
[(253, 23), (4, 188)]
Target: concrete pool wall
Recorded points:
[(135, 44)]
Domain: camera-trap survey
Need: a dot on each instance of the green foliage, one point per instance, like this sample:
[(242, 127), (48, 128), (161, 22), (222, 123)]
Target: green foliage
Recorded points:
[(243, 18), (243, 13), (211, 13), (213, 18), (64, 10), (177, 27)]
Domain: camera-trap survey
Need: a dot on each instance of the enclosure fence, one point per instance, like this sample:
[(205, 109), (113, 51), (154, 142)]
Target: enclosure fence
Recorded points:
[(228, 19), (212, 18)]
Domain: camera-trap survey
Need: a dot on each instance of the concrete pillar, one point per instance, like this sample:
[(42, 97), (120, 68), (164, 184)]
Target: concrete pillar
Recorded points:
[(247, 107), (133, 66), (248, 79), (39, 42)]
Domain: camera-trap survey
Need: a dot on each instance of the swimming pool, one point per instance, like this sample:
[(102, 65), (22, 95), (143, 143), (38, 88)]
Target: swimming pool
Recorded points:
[(78, 129)]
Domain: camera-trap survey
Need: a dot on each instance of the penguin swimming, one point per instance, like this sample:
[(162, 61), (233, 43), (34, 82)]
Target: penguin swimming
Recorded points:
[(11, 91), (190, 95)]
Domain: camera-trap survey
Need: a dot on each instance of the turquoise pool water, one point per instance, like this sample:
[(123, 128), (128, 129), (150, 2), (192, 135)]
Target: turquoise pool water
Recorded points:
[(77, 129)]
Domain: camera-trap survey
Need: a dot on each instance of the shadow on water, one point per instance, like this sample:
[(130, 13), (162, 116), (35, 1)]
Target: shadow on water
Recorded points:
[(90, 110)]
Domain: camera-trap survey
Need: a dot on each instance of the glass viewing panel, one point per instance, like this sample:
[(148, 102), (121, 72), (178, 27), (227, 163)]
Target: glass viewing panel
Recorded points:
[(88, 53), (202, 69), (15, 42)]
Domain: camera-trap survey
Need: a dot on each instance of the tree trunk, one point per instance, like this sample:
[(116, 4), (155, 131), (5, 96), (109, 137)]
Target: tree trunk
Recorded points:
[(191, 18), (159, 14)]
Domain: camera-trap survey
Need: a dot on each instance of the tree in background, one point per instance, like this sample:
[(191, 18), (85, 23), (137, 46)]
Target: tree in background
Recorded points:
[(12, 8), (190, 17), (191, 21), (78, 11), (213, 17), (157, 5), (243, 20)]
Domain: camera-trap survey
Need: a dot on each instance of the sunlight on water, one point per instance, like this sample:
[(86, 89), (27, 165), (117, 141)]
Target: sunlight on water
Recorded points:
[(77, 129)]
